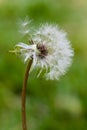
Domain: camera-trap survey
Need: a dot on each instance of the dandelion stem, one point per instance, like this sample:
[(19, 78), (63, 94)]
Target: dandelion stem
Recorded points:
[(24, 124)]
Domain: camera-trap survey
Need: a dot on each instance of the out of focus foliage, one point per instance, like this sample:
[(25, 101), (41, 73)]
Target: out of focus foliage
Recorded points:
[(51, 105)]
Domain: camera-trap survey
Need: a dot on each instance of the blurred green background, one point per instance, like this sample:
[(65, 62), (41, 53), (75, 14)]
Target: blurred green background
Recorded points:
[(51, 105)]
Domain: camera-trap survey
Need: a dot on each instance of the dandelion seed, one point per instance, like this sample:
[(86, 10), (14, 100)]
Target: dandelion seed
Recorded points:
[(24, 26)]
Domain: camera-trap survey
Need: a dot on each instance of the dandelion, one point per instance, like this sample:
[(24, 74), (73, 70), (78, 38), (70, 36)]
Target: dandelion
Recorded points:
[(48, 49)]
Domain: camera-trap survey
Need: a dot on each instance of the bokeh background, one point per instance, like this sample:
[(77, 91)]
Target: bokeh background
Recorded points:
[(51, 105)]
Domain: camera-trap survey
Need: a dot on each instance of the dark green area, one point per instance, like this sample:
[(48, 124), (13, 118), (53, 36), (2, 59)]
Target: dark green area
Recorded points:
[(51, 105)]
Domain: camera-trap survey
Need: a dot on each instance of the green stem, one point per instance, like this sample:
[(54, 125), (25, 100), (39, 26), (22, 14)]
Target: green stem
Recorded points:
[(24, 124)]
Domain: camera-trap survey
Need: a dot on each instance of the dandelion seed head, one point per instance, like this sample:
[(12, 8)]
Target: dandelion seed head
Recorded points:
[(51, 50)]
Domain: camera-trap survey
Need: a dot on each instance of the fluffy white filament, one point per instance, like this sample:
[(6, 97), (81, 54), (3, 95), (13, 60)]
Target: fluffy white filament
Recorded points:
[(50, 49)]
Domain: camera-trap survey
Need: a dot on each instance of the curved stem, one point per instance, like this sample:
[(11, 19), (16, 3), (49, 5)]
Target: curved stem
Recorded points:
[(24, 124)]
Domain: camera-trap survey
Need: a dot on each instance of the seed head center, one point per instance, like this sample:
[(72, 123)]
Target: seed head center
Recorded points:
[(42, 50)]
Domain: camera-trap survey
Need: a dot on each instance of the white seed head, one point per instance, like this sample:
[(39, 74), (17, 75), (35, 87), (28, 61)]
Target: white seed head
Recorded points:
[(50, 49)]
